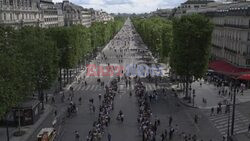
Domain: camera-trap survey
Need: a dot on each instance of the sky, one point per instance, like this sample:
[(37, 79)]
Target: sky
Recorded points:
[(126, 6)]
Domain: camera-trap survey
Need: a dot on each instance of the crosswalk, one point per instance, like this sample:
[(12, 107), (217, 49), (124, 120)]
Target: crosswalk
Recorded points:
[(82, 87), (220, 121)]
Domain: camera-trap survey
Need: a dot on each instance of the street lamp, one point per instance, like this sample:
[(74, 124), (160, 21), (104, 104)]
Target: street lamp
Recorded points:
[(228, 125), (7, 126), (233, 114), (193, 97)]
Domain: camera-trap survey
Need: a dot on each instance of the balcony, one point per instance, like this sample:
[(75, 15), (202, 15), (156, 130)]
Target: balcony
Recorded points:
[(237, 26)]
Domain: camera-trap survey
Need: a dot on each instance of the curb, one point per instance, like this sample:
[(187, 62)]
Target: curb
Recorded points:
[(187, 105), (39, 124), (182, 102), (33, 129)]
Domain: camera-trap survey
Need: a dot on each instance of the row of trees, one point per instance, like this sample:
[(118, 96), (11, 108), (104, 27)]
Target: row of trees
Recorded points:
[(156, 33), (31, 58), (187, 43)]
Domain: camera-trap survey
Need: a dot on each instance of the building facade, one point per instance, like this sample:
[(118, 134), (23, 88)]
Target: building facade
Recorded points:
[(46, 14), (164, 13), (86, 17), (191, 6), (50, 14), (18, 13), (231, 35), (101, 16)]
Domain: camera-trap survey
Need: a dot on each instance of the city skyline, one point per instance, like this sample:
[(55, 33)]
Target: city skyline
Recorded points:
[(127, 6)]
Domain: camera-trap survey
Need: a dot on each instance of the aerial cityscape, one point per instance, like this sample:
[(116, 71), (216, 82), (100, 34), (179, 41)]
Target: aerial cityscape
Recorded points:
[(124, 70)]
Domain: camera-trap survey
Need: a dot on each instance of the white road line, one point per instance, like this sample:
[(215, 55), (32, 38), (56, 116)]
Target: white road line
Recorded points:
[(86, 88), (92, 88)]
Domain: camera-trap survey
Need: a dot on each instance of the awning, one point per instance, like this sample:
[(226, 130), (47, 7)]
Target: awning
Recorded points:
[(227, 68), (244, 77)]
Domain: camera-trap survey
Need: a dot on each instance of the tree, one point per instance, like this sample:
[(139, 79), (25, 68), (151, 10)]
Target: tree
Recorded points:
[(156, 33), (191, 47), (40, 56)]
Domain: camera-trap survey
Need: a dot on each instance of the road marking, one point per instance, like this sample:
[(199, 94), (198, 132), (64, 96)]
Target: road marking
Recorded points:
[(220, 121), (88, 86)]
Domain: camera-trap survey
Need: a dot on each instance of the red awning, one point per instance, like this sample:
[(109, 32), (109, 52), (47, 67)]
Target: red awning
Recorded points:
[(244, 77), (226, 68)]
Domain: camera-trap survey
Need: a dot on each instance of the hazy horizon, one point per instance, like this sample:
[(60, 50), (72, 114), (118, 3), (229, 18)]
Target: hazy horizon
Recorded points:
[(127, 6)]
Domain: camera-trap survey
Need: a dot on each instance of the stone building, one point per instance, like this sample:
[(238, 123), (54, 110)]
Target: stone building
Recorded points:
[(164, 13), (18, 13), (231, 35), (50, 14), (71, 12), (191, 6), (86, 17)]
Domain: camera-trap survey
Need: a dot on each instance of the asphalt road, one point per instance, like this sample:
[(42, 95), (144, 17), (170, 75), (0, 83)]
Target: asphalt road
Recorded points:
[(128, 131)]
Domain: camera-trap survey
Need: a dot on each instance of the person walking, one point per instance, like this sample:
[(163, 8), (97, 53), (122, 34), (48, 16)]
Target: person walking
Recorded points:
[(162, 137), (109, 137), (55, 112), (212, 111), (77, 136), (100, 97), (170, 120), (196, 119), (80, 100)]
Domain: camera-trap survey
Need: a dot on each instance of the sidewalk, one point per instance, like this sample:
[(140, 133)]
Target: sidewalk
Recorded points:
[(29, 130), (242, 137), (210, 93)]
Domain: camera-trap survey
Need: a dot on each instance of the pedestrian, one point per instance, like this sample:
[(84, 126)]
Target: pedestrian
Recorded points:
[(80, 100), (194, 137), (171, 132), (109, 137), (212, 111), (249, 127), (170, 120), (55, 113), (224, 138), (53, 100), (130, 93), (100, 97), (176, 128), (196, 119), (162, 137), (77, 136), (166, 133)]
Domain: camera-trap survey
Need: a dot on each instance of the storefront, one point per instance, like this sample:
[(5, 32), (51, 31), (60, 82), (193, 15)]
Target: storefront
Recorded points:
[(27, 113), (231, 73)]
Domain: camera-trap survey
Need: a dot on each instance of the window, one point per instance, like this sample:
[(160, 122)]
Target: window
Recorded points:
[(18, 2), (11, 2)]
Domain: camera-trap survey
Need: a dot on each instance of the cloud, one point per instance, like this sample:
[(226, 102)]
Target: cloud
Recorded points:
[(127, 6), (117, 2)]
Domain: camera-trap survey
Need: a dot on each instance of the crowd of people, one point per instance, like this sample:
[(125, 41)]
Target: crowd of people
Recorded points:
[(107, 106)]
